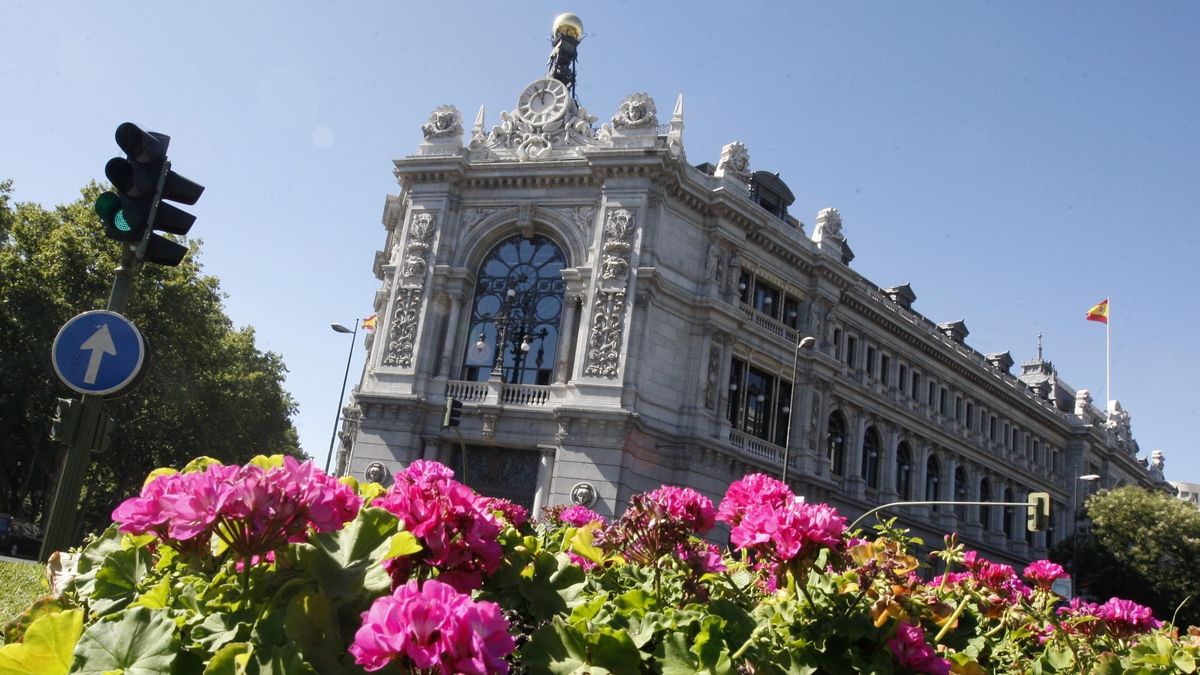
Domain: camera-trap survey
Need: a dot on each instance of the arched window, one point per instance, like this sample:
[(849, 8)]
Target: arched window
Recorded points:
[(1008, 513), (985, 512), (516, 311), (904, 471), (961, 493), (933, 475), (835, 440), (870, 458)]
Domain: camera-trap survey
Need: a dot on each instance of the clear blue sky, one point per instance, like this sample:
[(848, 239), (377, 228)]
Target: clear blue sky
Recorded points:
[(1016, 162)]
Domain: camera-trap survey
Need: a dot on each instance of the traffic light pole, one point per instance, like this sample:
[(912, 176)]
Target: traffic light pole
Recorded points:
[(60, 528)]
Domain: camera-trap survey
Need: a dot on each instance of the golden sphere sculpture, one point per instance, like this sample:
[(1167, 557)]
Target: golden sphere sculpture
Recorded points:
[(568, 24)]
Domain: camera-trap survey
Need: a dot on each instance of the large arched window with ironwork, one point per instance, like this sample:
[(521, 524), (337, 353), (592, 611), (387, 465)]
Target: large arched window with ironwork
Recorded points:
[(904, 471), (870, 458), (515, 315), (835, 443)]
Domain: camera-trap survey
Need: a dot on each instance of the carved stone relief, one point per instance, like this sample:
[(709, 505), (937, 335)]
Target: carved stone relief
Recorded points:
[(406, 312), (637, 111), (529, 141), (609, 298), (405, 319), (734, 162), (444, 122), (714, 374)]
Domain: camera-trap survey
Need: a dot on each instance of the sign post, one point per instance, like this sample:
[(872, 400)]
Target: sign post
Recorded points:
[(84, 350)]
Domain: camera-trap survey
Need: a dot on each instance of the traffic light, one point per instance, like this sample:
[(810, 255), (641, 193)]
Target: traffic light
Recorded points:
[(452, 413), (1039, 512), (142, 180), (65, 424)]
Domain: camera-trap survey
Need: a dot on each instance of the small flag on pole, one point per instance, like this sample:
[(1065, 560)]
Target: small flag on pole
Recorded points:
[(369, 323), (1099, 312)]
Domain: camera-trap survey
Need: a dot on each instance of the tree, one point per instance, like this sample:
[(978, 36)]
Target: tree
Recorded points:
[(208, 389), (1142, 546)]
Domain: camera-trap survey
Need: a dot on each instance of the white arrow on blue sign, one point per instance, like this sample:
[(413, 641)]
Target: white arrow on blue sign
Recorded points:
[(99, 352)]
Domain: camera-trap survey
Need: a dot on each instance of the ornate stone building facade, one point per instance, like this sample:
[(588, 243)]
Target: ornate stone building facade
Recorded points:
[(615, 318)]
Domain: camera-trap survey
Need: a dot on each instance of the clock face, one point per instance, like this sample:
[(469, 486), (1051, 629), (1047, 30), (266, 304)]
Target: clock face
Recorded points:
[(543, 101)]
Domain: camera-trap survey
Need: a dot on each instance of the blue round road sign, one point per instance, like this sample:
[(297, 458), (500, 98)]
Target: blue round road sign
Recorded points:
[(99, 352)]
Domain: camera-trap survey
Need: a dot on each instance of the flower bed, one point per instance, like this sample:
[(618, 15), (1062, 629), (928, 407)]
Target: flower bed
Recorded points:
[(275, 567)]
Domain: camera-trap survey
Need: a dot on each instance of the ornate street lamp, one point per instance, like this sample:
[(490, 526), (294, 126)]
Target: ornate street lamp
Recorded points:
[(806, 342)]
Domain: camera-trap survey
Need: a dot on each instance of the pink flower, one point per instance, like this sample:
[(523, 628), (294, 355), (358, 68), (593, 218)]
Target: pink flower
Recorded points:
[(254, 511), (788, 532), (1043, 573), (433, 627), (1125, 618), (515, 514), (750, 491), (457, 528), (693, 509), (912, 652), (578, 516)]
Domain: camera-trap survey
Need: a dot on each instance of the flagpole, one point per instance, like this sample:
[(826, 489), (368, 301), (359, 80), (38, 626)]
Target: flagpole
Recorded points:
[(1108, 358)]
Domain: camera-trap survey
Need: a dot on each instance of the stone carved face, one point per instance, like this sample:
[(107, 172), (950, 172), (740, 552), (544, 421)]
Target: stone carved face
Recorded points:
[(583, 494), (375, 472)]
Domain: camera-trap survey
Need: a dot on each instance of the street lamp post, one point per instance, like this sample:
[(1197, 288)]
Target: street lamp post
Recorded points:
[(806, 342), (1075, 498), (339, 328), (1075, 529), (513, 322)]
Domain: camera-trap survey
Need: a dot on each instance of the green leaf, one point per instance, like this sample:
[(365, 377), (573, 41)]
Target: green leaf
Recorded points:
[(582, 543), (1061, 659), (346, 563), (282, 660), (310, 626), (559, 649), (137, 641), (229, 660), (46, 650), (92, 557), (157, 597), (550, 583), (215, 632), (117, 580), (1184, 661), (402, 544)]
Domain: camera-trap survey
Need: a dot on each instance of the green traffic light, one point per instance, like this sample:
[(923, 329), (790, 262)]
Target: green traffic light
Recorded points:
[(108, 207)]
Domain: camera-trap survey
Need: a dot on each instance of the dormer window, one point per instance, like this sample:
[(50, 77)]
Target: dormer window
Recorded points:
[(770, 192)]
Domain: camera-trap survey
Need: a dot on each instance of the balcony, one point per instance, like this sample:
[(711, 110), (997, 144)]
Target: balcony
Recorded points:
[(756, 448), (502, 393), (771, 324)]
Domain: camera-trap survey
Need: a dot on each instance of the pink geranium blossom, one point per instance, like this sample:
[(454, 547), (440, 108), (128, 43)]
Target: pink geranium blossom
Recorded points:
[(751, 491), (433, 627), (1125, 618), (456, 527), (684, 504), (1043, 573), (253, 510), (912, 652), (578, 516)]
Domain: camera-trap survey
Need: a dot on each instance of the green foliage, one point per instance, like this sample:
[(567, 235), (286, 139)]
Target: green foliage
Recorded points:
[(208, 389), (1143, 546)]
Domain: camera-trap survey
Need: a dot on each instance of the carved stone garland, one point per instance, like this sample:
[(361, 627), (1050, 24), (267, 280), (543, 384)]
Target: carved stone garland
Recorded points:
[(609, 300), (406, 313)]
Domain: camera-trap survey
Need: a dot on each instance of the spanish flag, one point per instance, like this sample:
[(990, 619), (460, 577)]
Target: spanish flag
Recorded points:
[(1099, 312), (369, 322)]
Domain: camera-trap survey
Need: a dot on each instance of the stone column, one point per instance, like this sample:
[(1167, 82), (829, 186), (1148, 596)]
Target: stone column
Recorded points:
[(887, 464), (545, 478), (566, 337), (451, 335)]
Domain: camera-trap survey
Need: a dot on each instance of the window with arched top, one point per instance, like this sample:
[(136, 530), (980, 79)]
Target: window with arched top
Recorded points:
[(985, 512), (961, 493), (835, 441), (904, 471), (516, 311), (933, 476), (871, 450), (1008, 513)]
